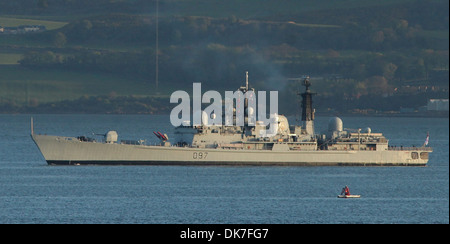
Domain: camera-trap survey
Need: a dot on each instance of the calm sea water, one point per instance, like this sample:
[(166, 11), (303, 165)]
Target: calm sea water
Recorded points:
[(33, 192)]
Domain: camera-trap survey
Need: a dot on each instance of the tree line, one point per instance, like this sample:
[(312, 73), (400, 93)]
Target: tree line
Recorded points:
[(215, 63)]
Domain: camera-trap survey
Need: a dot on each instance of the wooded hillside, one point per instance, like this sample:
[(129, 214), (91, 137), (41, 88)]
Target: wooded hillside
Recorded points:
[(380, 56)]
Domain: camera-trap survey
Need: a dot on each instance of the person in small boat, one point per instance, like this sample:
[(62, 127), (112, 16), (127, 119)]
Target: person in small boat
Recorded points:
[(345, 191)]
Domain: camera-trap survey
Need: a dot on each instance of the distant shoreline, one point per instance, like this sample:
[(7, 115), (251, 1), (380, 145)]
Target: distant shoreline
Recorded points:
[(437, 114), (440, 114), (160, 105)]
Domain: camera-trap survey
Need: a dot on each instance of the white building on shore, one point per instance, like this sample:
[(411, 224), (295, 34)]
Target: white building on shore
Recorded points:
[(437, 105)]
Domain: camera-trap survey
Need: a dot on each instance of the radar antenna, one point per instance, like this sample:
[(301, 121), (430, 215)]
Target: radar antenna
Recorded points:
[(306, 82)]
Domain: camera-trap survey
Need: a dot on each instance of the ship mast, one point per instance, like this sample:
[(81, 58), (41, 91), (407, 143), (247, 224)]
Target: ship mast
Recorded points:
[(244, 90), (157, 48), (246, 81)]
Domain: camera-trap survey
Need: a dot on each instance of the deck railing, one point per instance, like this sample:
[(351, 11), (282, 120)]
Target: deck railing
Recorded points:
[(401, 148)]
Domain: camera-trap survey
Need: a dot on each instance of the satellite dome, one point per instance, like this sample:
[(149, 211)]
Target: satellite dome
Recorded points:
[(283, 125), (111, 137), (335, 124), (205, 119)]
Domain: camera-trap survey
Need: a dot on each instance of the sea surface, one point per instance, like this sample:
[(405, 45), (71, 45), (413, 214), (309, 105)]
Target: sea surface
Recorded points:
[(33, 192)]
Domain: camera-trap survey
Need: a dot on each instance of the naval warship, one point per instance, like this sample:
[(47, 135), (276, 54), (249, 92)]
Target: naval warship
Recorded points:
[(293, 145)]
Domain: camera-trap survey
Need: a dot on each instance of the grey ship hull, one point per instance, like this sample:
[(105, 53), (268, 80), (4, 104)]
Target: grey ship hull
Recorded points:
[(59, 150)]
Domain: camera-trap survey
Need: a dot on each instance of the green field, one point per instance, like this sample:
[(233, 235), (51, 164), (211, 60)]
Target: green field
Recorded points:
[(18, 40), (10, 58), (22, 85), (250, 9), (16, 21)]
